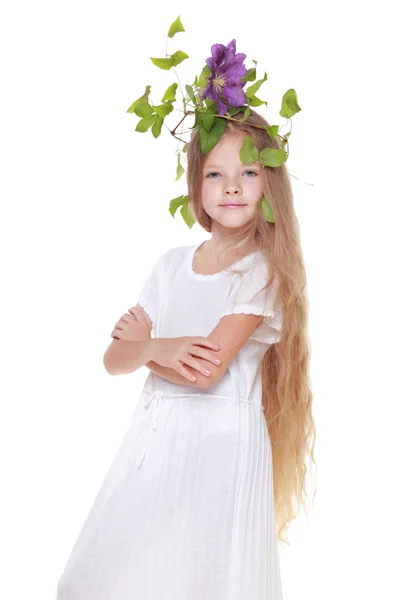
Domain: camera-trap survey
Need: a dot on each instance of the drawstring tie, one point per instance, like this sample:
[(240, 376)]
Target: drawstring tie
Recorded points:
[(157, 396)]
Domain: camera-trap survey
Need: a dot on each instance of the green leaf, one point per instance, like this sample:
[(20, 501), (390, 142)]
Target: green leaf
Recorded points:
[(208, 139), (253, 89), (145, 123), (185, 147), (190, 93), (142, 100), (206, 72), (182, 201), (207, 119), (248, 152), (289, 104), (270, 157), (162, 110), (179, 57), (157, 125), (143, 110), (176, 27), (187, 215), (170, 93), (251, 73), (272, 130), (163, 63), (267, 211), (211, 105), (172, 61), (176, 203), (256, 101), (197, 118), (234, 110), (247, 113), (179, 169)]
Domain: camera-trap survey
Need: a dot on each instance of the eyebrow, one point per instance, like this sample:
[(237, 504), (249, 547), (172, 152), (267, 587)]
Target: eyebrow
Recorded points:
[(219, 166)]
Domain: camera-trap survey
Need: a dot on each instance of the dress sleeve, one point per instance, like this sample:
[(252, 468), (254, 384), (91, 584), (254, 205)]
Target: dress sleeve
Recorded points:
[(153, 289), (247, 297)]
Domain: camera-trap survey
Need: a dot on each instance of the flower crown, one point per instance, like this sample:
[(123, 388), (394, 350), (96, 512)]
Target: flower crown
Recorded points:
[(216, 95)]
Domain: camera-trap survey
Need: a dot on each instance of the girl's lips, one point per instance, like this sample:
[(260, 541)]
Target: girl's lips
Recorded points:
[(232, 205)]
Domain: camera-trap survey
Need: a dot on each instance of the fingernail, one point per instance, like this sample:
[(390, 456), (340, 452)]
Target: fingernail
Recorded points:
[(193, 378)]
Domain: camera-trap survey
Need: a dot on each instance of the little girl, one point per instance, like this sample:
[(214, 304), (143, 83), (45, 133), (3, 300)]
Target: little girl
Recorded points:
[(212, 467)]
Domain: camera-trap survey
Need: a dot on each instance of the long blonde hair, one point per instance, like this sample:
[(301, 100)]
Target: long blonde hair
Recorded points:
[(287, 396)]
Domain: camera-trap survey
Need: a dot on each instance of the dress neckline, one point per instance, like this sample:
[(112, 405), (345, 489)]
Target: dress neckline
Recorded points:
[(212, 276)]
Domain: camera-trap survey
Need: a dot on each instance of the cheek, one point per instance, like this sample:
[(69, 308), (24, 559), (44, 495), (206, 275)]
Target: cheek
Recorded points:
[(210, 189), (254, 187)]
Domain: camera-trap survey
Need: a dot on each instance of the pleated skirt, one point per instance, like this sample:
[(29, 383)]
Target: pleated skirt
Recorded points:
[(186, 509)]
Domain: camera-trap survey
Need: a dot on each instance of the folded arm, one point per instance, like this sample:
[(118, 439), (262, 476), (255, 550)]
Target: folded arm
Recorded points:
[(231, 333)]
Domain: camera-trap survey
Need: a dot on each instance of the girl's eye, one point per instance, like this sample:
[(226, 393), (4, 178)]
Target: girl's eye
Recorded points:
[(215, 173)]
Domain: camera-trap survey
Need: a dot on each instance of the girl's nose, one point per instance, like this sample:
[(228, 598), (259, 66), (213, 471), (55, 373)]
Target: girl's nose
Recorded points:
[(232, 189)]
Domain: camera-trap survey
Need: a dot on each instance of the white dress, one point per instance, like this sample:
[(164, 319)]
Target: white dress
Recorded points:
[(186, 509)]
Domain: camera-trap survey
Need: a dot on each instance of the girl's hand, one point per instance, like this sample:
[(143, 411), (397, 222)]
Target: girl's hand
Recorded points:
[(133, 327), (180, 351)]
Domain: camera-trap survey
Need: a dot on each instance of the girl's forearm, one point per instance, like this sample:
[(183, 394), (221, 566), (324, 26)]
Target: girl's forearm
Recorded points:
[(123, 356)]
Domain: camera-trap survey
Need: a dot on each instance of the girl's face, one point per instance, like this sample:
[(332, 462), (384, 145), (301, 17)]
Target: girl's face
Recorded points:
[(226, 179)]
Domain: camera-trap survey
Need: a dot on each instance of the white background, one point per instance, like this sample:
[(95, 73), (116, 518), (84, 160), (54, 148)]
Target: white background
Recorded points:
[(85, 215)]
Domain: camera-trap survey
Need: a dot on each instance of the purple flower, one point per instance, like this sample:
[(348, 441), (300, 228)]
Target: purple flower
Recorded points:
[(227, 69)]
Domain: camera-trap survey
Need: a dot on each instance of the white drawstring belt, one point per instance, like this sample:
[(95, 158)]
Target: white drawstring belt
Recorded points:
[(157, 395)]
